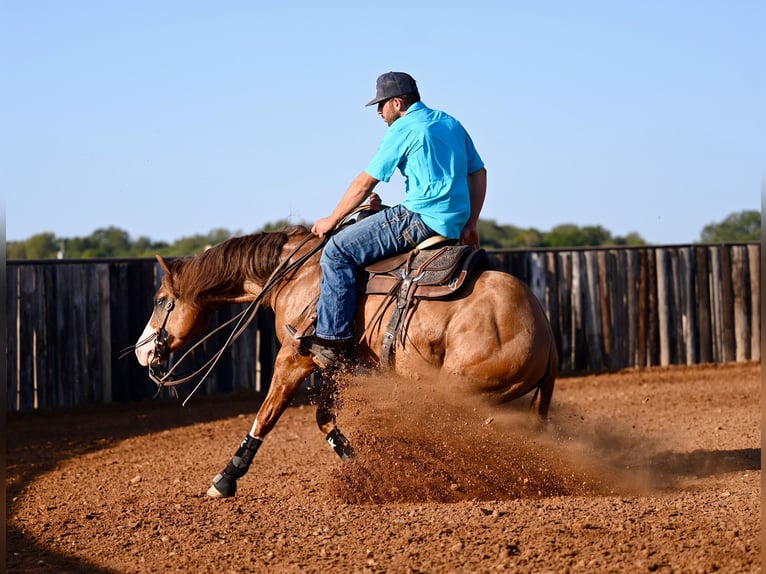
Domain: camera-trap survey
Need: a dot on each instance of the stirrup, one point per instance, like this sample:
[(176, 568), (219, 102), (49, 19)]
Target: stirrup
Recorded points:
[(323, 355)]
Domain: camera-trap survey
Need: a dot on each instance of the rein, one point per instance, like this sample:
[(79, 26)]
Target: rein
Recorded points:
[(243, 320)]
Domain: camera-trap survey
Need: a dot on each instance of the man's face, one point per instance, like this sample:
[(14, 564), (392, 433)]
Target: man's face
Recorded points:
[(389, 110)]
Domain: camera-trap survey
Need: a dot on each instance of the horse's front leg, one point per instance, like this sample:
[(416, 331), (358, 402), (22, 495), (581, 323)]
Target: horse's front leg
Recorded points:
[(327, 408), (290, 369)]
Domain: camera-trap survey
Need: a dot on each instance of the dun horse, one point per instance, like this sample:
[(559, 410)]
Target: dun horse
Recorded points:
[(493, 338)]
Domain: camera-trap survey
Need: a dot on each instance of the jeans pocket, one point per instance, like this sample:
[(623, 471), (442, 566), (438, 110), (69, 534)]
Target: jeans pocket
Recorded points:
[(416, 231)]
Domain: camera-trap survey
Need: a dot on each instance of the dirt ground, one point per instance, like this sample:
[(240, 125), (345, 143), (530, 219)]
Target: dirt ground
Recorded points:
[(643, 471)]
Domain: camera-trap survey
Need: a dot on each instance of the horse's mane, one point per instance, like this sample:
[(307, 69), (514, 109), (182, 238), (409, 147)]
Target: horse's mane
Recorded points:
[(222, 269)]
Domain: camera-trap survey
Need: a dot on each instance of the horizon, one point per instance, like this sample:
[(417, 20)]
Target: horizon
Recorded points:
[(239, 232)]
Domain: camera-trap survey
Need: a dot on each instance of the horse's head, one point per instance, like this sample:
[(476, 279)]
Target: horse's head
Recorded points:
[(175, 322)]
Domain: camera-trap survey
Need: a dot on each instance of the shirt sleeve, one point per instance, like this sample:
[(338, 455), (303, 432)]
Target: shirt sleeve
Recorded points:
[(475, 162), (388, 157)]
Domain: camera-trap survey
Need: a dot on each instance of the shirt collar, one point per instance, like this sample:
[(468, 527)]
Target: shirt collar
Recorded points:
[(415, 107)]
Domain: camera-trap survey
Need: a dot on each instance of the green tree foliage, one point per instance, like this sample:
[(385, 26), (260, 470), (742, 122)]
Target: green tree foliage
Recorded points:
[(40, 246), (115, 242), (196, 243), (741, 226)]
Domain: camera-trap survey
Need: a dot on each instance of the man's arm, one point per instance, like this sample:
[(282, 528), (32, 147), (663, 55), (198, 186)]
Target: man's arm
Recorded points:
[(356, 193), (477, 189)]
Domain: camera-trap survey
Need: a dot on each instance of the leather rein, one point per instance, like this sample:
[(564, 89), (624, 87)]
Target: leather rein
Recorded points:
[(242, 320)]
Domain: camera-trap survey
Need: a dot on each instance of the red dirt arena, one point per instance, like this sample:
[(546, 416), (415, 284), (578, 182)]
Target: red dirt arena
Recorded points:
[(655, 470)]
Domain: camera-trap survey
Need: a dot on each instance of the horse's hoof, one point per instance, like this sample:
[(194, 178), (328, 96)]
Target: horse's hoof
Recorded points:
[(213, 492), (222, 487)]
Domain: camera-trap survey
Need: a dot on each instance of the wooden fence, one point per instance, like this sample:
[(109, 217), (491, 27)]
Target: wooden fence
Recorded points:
[(610, 308)]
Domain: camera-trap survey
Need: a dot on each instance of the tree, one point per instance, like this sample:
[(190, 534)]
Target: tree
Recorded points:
[(742, 226), (197, 243), (40, 246), (570, 235), (632, 238)]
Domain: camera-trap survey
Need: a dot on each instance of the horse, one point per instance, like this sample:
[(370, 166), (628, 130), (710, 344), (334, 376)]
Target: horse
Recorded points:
[(493, 339)]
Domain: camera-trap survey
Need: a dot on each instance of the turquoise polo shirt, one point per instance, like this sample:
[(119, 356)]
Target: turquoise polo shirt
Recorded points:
[(435, 154)]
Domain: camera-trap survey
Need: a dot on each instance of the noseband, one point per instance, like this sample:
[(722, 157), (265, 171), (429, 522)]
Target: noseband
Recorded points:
[(158, 370), (159, 367)]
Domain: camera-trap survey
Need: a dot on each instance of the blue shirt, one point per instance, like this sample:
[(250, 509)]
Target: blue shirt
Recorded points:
[(435, 154)]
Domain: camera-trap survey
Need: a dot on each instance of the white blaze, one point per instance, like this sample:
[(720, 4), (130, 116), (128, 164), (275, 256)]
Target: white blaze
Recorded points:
[(145, 351)]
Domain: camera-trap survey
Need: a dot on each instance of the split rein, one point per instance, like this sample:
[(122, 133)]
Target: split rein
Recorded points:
[(243, 320)]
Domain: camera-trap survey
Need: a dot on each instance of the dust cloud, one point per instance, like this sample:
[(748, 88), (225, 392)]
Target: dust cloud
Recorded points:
[(417, 441)]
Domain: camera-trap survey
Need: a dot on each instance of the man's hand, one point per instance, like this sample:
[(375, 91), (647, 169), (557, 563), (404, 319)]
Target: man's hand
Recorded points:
[(322, 226), (470, 236), (376, 204)]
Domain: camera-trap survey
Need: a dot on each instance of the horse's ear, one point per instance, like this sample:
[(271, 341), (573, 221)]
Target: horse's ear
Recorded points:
[(164, 264)]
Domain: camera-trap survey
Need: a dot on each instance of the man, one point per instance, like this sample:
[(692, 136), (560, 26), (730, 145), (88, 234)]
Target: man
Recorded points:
[(445, 187)]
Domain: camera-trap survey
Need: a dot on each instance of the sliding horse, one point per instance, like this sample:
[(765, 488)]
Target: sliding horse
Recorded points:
[(492, 338)]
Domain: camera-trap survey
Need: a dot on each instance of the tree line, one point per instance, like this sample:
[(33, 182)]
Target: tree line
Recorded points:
[(115, 242)]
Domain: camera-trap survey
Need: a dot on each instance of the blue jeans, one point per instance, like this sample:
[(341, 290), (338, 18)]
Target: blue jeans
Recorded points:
[(387, 232)]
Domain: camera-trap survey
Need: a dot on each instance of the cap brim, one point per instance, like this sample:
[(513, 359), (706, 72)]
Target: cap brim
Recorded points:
[(375, 101)]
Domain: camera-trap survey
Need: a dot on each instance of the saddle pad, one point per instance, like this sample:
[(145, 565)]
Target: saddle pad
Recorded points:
[(437, 272), (436, 265)]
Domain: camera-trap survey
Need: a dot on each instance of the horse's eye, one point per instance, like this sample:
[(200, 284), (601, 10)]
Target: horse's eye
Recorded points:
[(159, 302)]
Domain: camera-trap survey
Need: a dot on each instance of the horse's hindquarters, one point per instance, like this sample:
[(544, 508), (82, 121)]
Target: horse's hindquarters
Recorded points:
[(496, 339)]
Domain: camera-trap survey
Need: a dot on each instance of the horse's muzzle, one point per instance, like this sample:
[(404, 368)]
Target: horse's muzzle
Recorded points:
[(158, 366)]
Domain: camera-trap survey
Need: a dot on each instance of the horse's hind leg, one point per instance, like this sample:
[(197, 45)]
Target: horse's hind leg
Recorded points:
[(541, 400), (327, 408)]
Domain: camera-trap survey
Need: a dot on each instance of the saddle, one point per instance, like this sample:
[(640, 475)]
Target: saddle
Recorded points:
[(428, 273), (432, 270)]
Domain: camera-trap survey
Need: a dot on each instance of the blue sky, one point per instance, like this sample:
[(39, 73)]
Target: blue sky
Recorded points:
[(173, 118)]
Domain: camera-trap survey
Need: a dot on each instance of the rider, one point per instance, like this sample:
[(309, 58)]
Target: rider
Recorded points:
[(445, 187)]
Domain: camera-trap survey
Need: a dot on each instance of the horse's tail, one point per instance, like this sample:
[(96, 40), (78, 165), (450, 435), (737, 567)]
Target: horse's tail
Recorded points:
[(541, 400)]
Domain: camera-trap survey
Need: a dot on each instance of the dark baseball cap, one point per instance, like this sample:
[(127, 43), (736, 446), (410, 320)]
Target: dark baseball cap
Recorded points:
[(393, 84)]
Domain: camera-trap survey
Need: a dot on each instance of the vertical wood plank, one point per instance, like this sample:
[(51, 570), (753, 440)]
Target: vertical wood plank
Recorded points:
[(676, 325), (714, 280), (632, 291), (580, 350), (653, 327), (54, 352), (727, 306), (604, 299), (44, 351), (754, 264), (104, 321), (13, 312), (688, 344), (741, 299), (593, 333), (92, 375), (27, 351), (703, 304), (552, 296), (565, 325), (537, 281), (617, 272), (642, 304), (663, 306)]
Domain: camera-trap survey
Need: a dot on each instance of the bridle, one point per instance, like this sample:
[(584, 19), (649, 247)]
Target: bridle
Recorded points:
[(161, 357), (163, 376)]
